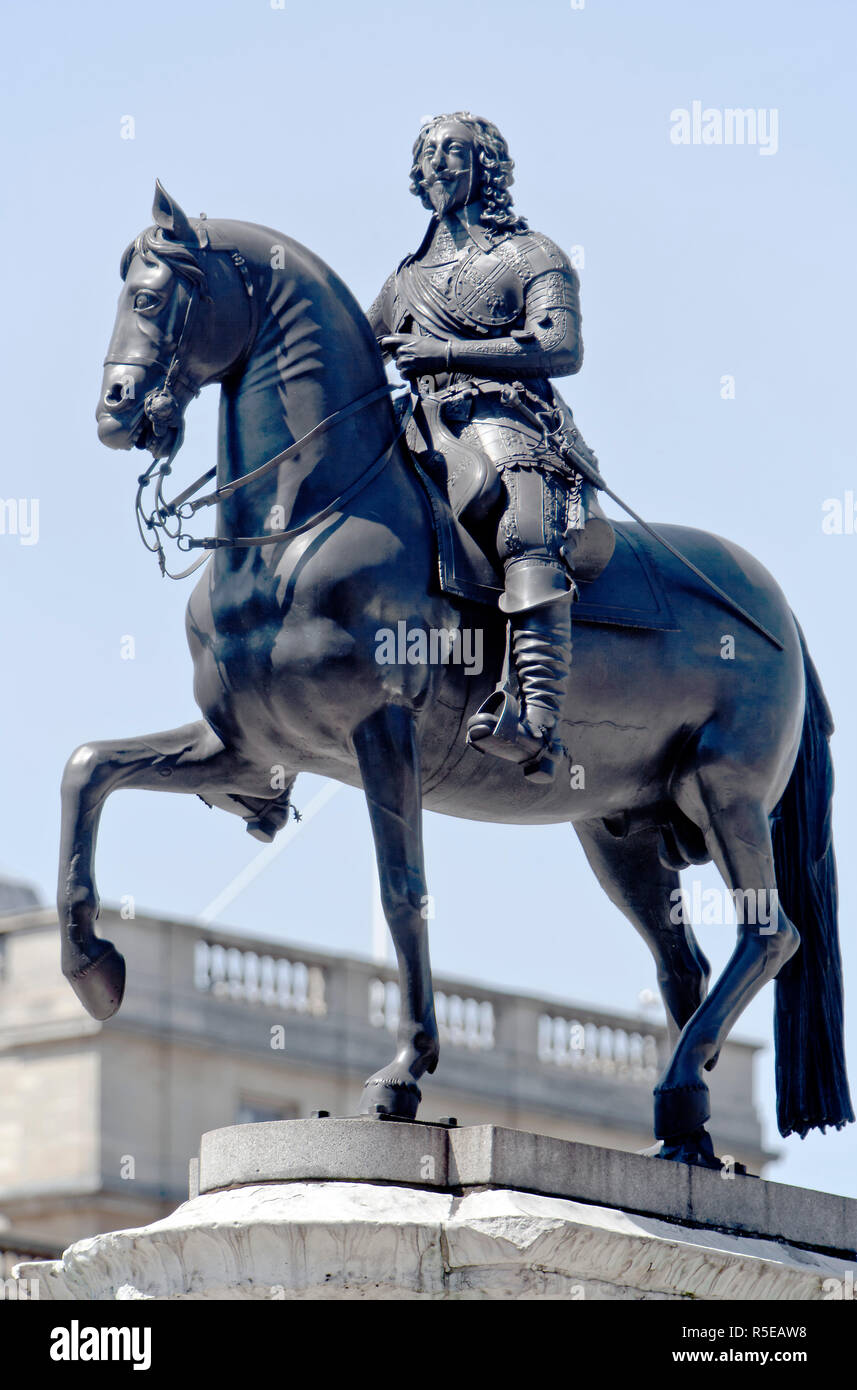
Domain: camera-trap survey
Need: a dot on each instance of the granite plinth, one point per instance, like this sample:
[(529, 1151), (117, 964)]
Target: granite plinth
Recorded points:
[(365, 1149), (366, 1208)]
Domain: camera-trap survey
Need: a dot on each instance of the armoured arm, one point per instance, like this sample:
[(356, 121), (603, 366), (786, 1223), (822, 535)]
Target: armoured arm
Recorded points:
[(378, 314), (549, 344)]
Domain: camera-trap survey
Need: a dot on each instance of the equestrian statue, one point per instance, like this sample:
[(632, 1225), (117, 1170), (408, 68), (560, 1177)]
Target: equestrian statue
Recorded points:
[(691, 725)]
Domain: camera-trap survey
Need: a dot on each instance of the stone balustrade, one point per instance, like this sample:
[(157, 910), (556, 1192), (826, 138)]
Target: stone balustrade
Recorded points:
[(585, 1041)]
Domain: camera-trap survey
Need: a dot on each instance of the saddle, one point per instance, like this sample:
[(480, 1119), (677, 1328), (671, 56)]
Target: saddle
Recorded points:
[(612, 562)]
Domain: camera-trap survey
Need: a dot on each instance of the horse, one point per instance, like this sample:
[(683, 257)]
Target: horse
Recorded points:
[(324, 539)]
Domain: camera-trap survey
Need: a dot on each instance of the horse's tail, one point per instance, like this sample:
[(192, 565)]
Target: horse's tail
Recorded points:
[(812, 1085)]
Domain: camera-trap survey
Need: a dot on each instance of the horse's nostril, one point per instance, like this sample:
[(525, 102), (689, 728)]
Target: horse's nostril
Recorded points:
[(115, 396)]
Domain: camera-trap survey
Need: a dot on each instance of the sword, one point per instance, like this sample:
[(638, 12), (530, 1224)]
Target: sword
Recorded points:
[(584, 467)]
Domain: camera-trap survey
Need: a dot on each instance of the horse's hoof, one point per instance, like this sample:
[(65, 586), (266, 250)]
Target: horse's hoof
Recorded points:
[(695, 1148), (271, 819), (100, 983), (262, 829), (681, 1110), (385, 1096)]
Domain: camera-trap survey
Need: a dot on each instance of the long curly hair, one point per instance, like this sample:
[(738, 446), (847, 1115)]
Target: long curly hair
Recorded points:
[(495, 165)]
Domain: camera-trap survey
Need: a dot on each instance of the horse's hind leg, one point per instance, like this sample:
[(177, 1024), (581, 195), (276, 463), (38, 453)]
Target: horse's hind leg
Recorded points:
[(189, 759), (737, 834), (633, 877), (388, 755)]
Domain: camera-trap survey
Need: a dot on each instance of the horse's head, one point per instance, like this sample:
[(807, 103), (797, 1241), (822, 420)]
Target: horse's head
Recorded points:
[(183, 320)]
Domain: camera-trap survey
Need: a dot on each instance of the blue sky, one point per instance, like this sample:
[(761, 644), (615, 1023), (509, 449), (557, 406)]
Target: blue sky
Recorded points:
[(699, 261)]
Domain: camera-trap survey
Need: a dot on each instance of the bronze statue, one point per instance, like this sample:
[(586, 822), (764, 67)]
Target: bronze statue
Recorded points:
[(480, 319), (327, 531)]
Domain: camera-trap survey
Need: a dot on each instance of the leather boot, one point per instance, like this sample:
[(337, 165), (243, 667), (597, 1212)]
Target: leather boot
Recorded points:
[(541, 651), (523, 731)]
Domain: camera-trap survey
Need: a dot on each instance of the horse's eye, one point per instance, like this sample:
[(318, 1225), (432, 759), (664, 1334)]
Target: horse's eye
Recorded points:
[(144, 300)]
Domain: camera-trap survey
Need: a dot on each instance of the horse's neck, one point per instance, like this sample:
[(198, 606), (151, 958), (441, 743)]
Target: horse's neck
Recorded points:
[(311, 356)]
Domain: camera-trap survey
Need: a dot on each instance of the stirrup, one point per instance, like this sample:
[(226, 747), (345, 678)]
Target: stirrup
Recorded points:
[(506, 707), (539, 766)]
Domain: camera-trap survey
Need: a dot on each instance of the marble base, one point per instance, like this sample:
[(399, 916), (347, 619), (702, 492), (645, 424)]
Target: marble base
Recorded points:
[(353, 1240)]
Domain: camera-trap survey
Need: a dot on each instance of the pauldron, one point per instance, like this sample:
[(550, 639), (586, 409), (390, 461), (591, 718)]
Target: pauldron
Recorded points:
[(485, 292)]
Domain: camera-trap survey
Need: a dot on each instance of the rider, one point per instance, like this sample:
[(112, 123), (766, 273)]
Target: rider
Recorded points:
[(479, 319)]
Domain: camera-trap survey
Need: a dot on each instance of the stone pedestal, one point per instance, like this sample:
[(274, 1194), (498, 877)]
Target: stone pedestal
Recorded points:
[(378, 1209)]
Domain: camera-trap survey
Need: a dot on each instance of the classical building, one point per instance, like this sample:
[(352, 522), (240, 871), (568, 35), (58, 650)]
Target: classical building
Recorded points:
[(98, 1121)]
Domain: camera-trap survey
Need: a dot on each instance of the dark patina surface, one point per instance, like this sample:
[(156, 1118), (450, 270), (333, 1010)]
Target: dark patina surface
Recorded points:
[(669, 754)]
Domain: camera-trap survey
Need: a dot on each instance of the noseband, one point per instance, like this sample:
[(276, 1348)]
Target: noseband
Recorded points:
[(160, 405)]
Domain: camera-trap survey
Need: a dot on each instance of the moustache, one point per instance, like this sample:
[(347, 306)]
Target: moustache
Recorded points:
[(432, 179)]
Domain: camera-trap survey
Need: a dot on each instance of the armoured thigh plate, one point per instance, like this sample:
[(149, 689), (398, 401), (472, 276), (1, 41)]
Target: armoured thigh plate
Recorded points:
[(539, 505), (511, 491)]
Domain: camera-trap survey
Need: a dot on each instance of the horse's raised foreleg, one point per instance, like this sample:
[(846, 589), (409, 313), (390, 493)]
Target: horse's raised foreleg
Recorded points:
[(739, 839), (189, 759), (633, 877), (388, 755)]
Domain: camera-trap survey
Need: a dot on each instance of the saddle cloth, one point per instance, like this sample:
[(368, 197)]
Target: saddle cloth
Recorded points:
[(628, 593)]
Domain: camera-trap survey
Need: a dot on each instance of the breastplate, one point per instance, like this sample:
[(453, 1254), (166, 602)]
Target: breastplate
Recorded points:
[(478, 290), (487, 290)]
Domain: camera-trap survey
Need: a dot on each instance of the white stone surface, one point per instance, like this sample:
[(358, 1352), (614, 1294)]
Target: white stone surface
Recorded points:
[(338, 1240)]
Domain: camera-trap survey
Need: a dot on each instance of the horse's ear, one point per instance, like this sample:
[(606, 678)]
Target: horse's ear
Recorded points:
[(171, 218)]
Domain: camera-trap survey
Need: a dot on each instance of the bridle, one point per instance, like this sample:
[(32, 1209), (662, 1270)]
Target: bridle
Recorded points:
[(162, 409)]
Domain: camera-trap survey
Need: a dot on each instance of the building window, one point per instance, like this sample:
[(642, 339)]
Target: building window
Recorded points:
[(252, 1112)]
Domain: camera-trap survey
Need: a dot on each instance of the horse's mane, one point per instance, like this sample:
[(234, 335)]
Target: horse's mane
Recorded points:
[(293, 332), (152, 245)]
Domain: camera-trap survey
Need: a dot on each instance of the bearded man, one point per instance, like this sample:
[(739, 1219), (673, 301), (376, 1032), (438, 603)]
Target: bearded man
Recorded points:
[(478, 320)]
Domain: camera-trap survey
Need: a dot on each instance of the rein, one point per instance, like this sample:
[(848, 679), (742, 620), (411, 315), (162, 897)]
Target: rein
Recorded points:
[(182, 508)]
